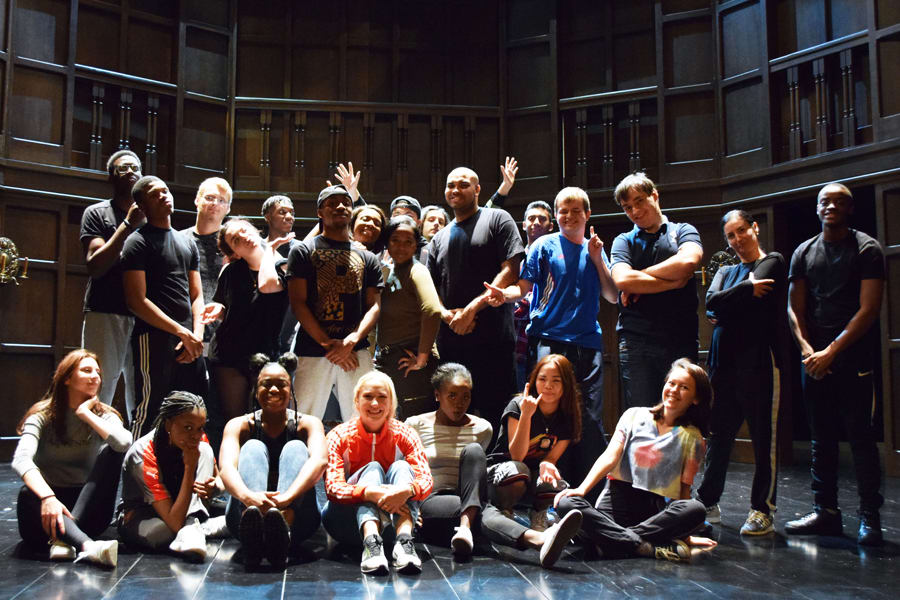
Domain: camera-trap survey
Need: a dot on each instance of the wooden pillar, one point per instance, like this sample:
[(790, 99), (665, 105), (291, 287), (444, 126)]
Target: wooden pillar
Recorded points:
[(96, 156), (795, 139), (821, 105), (124, 119), (152, 150), (848, 99)]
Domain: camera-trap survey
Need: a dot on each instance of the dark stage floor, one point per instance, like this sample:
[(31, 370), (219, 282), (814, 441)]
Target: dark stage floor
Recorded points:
[(739, 567)]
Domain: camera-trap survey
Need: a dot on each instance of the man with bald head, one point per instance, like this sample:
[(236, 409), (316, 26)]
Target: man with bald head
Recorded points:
[(836, 285), (480, 245)]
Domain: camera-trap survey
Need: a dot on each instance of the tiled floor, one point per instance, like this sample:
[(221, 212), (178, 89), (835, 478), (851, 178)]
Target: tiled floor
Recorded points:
[(739, 567)]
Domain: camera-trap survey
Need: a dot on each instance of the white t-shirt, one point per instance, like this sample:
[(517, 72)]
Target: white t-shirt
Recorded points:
[(443, 445)]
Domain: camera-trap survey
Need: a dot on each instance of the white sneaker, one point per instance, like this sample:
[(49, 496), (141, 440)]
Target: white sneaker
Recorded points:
[(540, 520), (100, 552), (190, 542), (215, 527), (373, 559), (61, 551), (713, 514), (557, 536), (462, 542), (405, 557)]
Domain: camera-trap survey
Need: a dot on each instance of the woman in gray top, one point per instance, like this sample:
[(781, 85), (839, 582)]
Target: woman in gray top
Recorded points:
[(69, 457)]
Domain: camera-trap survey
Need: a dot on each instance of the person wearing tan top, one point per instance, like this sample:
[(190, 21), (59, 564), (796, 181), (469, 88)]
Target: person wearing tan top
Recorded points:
[(410, 317)]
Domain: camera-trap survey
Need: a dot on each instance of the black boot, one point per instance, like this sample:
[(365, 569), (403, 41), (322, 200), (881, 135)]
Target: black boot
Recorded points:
[(869, 529), (821, 521)]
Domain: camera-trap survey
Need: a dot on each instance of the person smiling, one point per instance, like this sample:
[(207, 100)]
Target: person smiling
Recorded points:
[(745, 303), (377, 472), (653, 455), (69, 456), (271, 459)]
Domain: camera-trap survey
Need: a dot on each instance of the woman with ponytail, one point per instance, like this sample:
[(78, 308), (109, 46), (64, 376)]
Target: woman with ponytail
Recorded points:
[(271, 460), (167, 475), (68, 456)]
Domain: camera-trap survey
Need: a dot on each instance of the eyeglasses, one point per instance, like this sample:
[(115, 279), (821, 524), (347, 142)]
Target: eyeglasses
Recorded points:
[(122, 169), (216, 199)]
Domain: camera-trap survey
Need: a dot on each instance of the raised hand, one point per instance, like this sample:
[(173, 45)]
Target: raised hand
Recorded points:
[(595, 245), (529, 403), (349, 179), (508, 172), (279, 242)]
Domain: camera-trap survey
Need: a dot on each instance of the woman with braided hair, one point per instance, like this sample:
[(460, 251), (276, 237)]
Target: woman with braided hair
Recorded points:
[(166, 476), (271, 460)]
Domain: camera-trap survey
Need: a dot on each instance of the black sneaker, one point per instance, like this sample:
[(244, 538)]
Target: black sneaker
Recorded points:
[(869, 529), (251, 532), (278, 538), (821, 521)]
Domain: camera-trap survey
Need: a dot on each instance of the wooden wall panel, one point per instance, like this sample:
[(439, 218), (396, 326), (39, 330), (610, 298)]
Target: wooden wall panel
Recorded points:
[(846, 17), (634, 60), (313, 73), (260, 71), (214, 13), (98, 38), (690, 118), (677, 6), (887, 13), (151, 50), (741, 39), (688, 52), (72, 311), (29, 311), (203, 136), (3, 9), (206, 62), (888, 67), (744, 110), (27, 377), (41, 30), (527, 18), (419, 159), (38, 103)]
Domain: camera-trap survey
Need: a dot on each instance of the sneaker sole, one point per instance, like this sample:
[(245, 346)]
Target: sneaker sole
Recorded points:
[(461, 547), (770, 529), (379, 569), (409, 568), (278, 538), (252, 541), (568, 527)]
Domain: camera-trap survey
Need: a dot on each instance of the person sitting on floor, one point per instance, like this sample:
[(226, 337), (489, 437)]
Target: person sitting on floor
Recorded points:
[(166, 476), (69, 456), (455, 445), (377, 473), (653, 455), (271, 460)]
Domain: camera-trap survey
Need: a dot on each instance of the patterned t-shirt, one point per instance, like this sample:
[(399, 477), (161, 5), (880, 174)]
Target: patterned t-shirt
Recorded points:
[(653, 462)]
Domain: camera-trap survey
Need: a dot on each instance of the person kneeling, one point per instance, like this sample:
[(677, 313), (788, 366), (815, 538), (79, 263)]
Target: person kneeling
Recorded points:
[(166, 476), (368, 484), (271, 460), (654, 454)]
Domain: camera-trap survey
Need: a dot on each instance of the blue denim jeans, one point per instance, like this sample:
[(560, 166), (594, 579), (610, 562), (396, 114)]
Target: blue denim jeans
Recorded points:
[(344, 522), (643, 365), (253, 467)]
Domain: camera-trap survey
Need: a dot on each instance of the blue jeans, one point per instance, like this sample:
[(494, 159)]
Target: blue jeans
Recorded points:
[(643, 365), (344, 522), (253, 467)]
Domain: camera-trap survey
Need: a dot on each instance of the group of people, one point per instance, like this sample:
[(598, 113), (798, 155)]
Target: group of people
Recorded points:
[(215, 327)]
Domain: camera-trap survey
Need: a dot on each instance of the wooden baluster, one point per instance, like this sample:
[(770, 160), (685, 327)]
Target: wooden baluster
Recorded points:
[(334, 141), (124, 119), (265, 127), (469, 140), (609, 145), (634, 135), (821, 105), (795, 138), (298, 150), (368, 151), (581, 147), (98, 92), (152, 150), (848, 99), (402, 152), (437, 154)]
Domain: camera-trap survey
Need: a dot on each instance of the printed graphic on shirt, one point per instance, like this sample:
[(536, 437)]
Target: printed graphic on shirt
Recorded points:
[(337, 272)]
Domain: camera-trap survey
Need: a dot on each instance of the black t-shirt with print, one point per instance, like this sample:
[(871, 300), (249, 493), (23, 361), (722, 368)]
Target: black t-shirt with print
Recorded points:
[(546, 432), (337, 277)]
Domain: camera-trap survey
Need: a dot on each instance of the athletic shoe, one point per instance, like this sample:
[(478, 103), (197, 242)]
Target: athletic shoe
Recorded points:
[(278, 538), (215, 527), (405, 558), (869, 529), (373, 559), (713, 514), (675, 551), (251, 533), (100, 552), (540, 520), (821, 521), (190, 542), (462, 542), (758, 523), (61, 551), (557, 536)]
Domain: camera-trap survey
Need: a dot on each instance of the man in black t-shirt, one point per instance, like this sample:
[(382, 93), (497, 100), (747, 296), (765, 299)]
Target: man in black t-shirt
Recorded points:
[(836, 285), (335, 293), (163, 289), (481, 245), (653, 266), (107, 321)]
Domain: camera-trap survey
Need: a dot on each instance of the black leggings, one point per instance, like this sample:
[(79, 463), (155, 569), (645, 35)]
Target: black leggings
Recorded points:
[(91, 505), (625, 517), (441, 510)]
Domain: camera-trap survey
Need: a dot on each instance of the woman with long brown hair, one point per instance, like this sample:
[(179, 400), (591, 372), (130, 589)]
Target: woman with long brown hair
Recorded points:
[(69, 457), (535, 432)]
